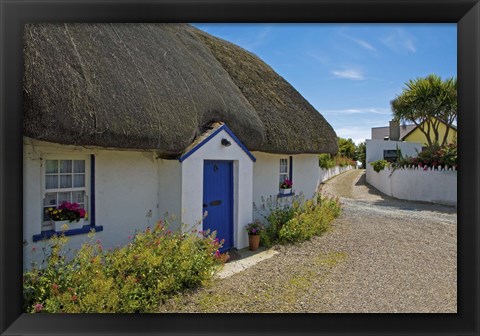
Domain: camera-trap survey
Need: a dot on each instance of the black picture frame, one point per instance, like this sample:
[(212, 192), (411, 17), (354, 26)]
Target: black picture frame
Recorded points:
[(14, 14)]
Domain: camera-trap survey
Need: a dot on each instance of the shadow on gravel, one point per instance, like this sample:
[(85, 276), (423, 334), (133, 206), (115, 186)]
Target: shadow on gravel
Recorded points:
[(387, 201)]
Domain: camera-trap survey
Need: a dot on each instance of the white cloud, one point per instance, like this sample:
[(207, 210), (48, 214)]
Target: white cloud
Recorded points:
[(252, 42), (322, 59), (400, 41), (348, 74), (357, 134), (361, 43), (364, 44)]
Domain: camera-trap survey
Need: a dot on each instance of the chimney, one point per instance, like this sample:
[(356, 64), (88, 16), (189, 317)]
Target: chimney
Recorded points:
[(394, 130)]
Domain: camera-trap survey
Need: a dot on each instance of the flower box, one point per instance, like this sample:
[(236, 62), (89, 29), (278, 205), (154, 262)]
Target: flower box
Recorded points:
[(286, 191), (59, 225)]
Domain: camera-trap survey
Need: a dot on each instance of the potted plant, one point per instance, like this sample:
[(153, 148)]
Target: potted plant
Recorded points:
[(286, 187), (66, 215), (254, 230)]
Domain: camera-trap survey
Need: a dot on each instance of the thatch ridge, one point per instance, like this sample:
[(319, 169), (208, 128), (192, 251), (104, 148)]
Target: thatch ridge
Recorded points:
[(155, 86)]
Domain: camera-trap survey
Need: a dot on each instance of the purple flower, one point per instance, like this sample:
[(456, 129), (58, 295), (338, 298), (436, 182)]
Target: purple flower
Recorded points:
[(254, 230)]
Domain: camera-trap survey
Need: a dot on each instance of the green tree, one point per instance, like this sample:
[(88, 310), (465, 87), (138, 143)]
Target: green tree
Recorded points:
[(361, 153), (346, 147), (426, 102)]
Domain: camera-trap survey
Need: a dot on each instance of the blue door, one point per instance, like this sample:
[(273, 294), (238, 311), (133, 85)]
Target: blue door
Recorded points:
[(218, 200)]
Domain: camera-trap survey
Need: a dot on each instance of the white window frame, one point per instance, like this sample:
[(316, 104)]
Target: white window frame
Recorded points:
[(46, 225), (287, 173)]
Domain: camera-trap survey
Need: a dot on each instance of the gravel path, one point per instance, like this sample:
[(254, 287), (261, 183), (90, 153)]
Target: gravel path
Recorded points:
[(381, 255)]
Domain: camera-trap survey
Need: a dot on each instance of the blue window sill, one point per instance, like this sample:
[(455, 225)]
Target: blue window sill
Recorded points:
[(83, 230), (285, 195)]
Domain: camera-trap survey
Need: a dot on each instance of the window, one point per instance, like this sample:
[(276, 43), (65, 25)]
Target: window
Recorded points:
[(284, 170), (65, 180), (390, 155)]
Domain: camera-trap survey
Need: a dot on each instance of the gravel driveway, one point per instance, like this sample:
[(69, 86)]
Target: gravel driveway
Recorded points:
[(381, 255)]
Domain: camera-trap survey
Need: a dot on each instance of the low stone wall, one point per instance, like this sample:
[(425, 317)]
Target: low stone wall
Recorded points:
[(435, 186), (326, 174)]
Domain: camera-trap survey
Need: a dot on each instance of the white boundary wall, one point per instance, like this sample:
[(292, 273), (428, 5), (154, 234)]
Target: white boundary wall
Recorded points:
[(375, 148), (326, 174), (436, 186)]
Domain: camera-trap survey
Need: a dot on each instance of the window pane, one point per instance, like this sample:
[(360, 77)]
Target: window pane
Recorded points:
[(51, 166), (78, 180), (65, 166), (64, 197), (79, 166), (283, 177), (50, 199), (65, 181), (283, 165), (51, 181), (78, 197)]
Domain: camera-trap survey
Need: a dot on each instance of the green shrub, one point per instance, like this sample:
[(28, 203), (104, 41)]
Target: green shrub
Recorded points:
[(276, 219), (312, 219), (327, 161), (298, 221), (379, 165), (135, 278)]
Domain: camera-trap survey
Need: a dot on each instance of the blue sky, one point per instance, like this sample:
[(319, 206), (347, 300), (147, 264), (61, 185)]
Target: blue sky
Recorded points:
[(349, 72)]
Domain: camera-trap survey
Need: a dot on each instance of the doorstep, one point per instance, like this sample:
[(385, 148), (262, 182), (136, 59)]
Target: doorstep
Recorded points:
[(246, 259)]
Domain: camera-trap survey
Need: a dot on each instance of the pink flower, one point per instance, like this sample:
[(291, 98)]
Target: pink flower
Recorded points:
[(74, 298), (38, 307), (55, 286), (82, 213), (129, 237)]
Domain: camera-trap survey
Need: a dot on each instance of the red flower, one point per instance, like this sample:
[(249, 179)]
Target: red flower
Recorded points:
[(74, 298)]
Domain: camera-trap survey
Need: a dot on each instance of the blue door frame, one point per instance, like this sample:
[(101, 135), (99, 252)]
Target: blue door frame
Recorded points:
[(218, 200)]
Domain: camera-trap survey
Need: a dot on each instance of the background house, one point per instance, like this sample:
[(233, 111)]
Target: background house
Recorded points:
[(415, 135), (133, 121), (410, 133), (394, 131)]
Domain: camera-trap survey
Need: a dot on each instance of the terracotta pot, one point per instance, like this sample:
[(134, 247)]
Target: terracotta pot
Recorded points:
[(253, 242)]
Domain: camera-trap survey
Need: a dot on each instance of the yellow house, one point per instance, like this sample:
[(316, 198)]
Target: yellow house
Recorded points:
[(416, 135)]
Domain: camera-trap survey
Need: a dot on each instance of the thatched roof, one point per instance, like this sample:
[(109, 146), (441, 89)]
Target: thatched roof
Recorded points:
[(156, 86)]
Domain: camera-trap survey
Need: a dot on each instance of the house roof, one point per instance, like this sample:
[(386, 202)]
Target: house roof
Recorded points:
[(381, 132), (156, 86)]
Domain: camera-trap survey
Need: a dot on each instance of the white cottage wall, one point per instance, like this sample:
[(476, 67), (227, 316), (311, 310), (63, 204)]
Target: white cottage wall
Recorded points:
[(170, 192), (126, 190), (192, 184), (266, 171)]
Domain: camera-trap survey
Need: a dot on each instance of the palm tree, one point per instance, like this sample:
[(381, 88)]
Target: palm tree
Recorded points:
[(427, 102)]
